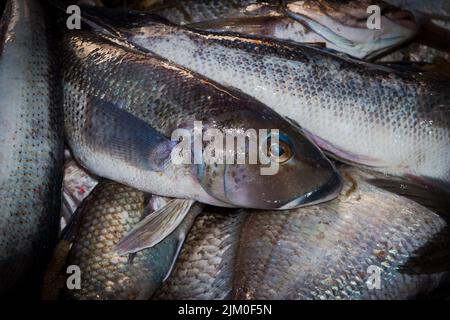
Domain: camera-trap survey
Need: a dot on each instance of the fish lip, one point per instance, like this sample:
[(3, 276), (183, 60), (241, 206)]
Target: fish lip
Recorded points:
[(325, 193)]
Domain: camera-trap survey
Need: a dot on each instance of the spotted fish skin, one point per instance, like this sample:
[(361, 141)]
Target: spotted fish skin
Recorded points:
[(401, 118), (334, 250), (105, 216), (31, 148)]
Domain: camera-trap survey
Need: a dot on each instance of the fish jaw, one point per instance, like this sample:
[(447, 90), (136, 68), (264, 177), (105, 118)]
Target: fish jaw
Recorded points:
[(326, 193)]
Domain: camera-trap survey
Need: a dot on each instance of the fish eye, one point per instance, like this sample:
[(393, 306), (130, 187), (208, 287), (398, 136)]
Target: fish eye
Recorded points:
[(281, 151)]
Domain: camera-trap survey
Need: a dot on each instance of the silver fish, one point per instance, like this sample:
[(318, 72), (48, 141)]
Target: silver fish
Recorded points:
[(31, 154), (122, 106), (417, 52), (103, 218), (392, 121), (357, 246)]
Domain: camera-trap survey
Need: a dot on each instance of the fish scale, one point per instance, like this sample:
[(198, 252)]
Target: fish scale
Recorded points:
[(204, 270), (104, 217), (328, 254)]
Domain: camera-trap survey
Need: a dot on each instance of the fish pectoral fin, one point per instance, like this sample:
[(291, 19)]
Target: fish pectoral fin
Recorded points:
[(125, 137), (155, 227)]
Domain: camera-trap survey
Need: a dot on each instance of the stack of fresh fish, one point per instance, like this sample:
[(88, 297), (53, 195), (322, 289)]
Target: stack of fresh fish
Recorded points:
[(138, 85), (401, 118)]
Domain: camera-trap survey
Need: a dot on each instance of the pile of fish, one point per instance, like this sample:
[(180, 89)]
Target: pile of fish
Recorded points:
[(98, 106)]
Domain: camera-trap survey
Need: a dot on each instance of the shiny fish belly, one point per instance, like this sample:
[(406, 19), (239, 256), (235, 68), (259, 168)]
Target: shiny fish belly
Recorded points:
[(31, 145)]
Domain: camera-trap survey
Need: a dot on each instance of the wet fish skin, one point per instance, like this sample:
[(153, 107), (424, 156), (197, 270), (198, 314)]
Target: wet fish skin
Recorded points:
[(204, 270), (166, 97), (402, 118), (342, 238), (31, 155), (318, 252), (106, 215)]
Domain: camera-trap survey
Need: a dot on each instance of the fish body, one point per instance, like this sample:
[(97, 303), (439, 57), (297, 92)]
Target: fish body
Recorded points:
[(122, 106), (106, 215), (401, 118), (341, 26), (354, 247), (31, 156)]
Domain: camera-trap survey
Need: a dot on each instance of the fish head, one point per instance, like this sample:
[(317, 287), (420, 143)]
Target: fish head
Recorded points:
[(267, 163), (361, 28)]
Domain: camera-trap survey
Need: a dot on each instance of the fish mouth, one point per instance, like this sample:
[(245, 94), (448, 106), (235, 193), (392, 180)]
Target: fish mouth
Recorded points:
[(327, 192)]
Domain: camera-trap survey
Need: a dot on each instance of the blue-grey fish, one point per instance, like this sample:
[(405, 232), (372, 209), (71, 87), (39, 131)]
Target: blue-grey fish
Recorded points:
[(31, 148)]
